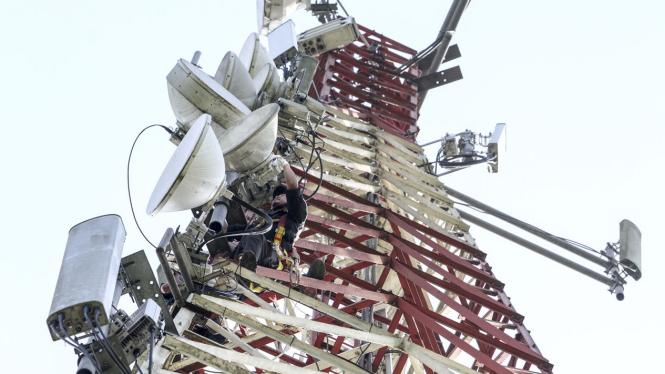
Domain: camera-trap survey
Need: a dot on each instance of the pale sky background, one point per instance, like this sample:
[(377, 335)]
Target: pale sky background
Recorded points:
[(579, 83)]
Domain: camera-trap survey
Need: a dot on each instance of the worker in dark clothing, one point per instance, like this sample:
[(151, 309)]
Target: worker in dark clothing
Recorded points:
[(289, 215)]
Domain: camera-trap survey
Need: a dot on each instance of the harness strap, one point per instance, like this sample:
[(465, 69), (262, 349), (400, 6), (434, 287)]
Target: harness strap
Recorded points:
[(282, 255)]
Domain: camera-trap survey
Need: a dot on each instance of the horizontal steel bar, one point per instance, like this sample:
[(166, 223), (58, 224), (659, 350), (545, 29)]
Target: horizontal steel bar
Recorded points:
[(306, 300), (343, 225), (222, 307), (538, 249), (328, 286), (525, 226), (343, 252), (438, 79)]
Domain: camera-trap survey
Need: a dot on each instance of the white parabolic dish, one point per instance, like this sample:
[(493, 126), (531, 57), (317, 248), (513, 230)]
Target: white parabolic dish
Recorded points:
[(250, 142), (254, 55), (233, 76), (193, 175), (193, 92)]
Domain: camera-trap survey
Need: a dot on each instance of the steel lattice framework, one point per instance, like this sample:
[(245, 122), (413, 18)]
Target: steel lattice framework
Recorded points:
[(364, 81), (407, 288)]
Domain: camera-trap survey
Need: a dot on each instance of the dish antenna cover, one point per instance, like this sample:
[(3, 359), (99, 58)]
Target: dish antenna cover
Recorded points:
[(254, 55), (193, 92), (194, 174), (250, 142), (233, 76), (630, 248), (267, 80)]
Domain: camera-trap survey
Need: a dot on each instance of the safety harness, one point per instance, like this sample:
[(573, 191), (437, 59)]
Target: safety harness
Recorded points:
[(285, 260)]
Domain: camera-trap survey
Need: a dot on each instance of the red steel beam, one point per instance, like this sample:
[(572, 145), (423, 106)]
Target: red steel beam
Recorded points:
[(447, 258), (451, 337), (414, 229), (344, 225), (337, 251), (343, 202), (419, 278), (509, 344), (338, 190)]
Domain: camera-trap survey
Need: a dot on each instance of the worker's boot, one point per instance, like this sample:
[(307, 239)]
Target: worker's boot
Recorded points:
[(317, 270), (248, 261)]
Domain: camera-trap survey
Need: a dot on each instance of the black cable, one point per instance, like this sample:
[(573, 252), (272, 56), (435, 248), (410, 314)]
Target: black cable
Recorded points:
[(436, 161), (108, 346), (419, 56), (448, 161), (296, 77), (320, 177), (229, 294), (310, 159), (265, 200), (121, 366), (129, 193), (152, 346), (136, 362), (256, 231), (55, 331), (318, 156), (364, 350), (293, 149), (74, 343), (311, 155)]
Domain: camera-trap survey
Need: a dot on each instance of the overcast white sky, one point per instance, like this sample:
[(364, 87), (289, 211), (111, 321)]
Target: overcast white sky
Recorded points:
[(579, 83)]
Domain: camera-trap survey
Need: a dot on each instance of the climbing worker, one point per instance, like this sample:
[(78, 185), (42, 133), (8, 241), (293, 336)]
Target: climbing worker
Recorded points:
[(275, 249)]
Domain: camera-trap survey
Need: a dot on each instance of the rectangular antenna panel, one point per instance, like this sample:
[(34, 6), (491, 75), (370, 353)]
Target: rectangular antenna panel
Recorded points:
[(88, 273), (282, 43), (136, 334), (305, 70), (497, 146), (630, 248), (329, 36)]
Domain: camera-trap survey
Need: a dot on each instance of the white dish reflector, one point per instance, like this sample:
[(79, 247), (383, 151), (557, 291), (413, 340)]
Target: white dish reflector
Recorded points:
[(250, 142), (267, 80), (193, 92), (254, 55), (194, 174), (233, 76)]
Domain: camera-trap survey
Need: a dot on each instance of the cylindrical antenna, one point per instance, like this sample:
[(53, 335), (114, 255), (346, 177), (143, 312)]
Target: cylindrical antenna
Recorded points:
[(219, 214), (196, 57)]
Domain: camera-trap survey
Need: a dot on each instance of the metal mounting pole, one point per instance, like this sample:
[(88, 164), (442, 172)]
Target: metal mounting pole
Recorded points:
[(524, 226), (536, 248), (170, 279), (370, 277), (447, 31), (181, 257)]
